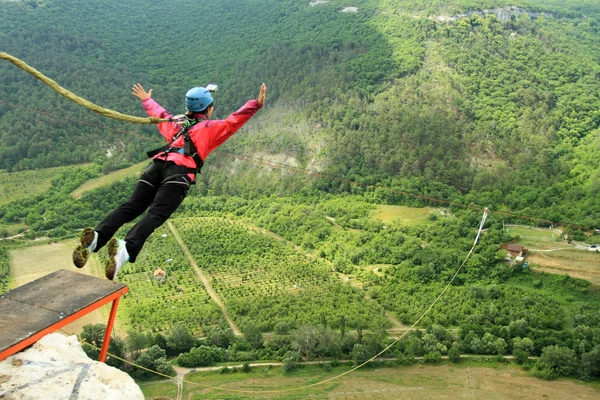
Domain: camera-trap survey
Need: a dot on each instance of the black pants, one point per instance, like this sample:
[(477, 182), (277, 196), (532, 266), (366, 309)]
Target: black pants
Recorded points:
[(155, 189)]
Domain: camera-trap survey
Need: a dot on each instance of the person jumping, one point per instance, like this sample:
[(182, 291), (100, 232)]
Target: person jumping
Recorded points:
[(165, 182)]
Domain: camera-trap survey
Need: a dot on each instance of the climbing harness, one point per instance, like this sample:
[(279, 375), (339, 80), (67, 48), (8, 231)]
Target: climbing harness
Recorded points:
[(188, 146)]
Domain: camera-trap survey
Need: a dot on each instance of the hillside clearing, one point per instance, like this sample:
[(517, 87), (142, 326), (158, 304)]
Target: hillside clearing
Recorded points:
[(406, 215), (116, 176)]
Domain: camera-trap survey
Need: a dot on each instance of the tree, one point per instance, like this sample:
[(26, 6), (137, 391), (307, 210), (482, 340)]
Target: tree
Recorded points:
[(282, 328), (155, 359), (136, 341), (253, 335), (522, 349), (221, 337), (590, 362), (159, 340), (202, 356), (93, 335), (454, 353), (361, 353), (305, 340), (179, 340), (556, 361)]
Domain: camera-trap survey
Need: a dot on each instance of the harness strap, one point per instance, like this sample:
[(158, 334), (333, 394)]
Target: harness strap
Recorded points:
[(189, 149), (177, 170)]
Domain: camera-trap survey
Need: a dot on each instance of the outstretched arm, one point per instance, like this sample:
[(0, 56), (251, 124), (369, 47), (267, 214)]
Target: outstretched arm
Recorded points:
[(261, 94), (140, 93), (216, 132), (167, 129)]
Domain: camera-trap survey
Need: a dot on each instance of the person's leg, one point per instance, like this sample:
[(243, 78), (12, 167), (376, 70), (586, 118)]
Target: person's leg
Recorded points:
[(141, 198), (92, 240), (168, 197)]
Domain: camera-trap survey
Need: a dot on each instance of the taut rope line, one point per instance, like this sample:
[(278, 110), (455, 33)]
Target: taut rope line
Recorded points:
[(485, 214)]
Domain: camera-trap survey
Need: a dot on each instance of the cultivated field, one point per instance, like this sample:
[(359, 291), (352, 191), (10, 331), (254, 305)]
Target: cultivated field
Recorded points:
[(576, 263), (537, 238), (16, 185), (157, 305), (419, 382), (265, 280)]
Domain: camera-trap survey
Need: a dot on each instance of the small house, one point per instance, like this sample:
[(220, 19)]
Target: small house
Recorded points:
[(160, 275), (515, 250)]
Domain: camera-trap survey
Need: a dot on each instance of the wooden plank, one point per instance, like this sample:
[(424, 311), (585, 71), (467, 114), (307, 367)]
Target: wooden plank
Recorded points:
[(46, 304), (15, 320)]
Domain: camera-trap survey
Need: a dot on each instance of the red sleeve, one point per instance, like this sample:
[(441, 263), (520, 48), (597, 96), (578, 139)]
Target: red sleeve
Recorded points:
[(167, 129), (212, 134)]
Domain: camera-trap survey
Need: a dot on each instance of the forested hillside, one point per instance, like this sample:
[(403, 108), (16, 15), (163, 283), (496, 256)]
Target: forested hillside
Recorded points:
[(505, 109)]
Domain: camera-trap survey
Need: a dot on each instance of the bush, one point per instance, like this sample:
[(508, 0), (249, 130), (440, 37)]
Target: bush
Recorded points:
[(290, 361), (202, 356), (404, 360), (326, 366), (544, 371), (556, 361), (454, 354), (591, 362), (433, 357)]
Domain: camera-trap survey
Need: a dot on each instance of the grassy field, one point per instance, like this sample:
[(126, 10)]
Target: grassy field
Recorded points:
[(12, 229), (576, 263), (549, 255), (16, 185), (420, 382), (407, 215), (31, 263), (113, 177), (536, 238)]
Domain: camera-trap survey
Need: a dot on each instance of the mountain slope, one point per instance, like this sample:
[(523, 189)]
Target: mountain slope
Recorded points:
[(389, 91)]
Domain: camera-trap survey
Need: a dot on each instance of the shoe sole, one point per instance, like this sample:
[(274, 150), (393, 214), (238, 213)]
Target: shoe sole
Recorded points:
[(81, 253), (111, 263)]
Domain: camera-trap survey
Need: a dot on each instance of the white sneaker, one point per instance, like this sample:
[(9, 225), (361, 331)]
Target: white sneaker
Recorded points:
[(117, 257), (87, 244)]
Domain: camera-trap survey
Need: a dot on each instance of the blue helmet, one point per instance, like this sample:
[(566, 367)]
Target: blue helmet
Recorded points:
[(197, 99)]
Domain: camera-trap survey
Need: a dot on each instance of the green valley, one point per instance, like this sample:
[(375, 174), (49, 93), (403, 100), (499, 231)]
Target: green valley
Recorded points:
[(338, 225)]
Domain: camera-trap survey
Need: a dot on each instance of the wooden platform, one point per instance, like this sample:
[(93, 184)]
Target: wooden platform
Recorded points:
[(45, 305)]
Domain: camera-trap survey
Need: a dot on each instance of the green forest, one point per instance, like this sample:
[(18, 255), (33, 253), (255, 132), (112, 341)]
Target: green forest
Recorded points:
[(455, 106)]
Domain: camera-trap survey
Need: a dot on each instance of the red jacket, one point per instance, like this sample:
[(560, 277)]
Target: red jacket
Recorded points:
[(206, 135)]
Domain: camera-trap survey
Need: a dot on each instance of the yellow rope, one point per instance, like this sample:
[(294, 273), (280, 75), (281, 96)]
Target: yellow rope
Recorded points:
[(71, 96)]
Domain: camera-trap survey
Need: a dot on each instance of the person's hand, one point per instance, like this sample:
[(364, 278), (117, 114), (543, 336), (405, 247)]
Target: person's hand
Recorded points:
[(261, 95), (140, 93)]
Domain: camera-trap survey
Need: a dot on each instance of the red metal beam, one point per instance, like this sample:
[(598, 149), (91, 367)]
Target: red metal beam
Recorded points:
[(109, 326)]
